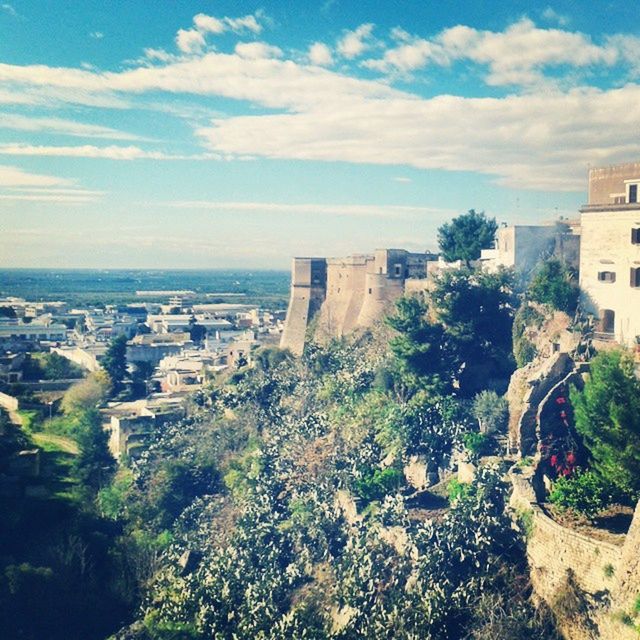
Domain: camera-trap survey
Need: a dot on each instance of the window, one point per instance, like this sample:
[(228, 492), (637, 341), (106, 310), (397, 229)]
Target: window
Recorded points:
[(635, 236), (370, 291), (635, 277), (633, 193), (397, 269), (607, 276)]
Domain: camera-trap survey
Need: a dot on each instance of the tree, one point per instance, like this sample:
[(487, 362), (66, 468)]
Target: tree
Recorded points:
[(87, 394), (555, 285), (94, 463), (607, 416), (491, 411), (115, 363), (476, 311), (420, 349), (465, 236), (197, 332)]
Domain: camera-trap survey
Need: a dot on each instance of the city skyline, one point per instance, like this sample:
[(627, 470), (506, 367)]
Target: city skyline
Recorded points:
[(215, 134)]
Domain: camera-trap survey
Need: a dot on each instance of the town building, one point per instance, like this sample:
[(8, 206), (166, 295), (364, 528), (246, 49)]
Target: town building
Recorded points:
[(522, 247), (610, 252)]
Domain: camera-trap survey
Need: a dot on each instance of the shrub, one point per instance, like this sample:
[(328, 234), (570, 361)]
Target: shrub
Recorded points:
[(378, 484), (476, 443), (457, 489), (585, 493)]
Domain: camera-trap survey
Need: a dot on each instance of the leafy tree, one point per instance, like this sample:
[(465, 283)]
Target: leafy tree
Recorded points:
[(88, 393), (491, 411), (197, 332), (94, 463), (50, 366), (420, 349), (115, 363), (476, 311), (607, 416), (554, 284), (465, 236)]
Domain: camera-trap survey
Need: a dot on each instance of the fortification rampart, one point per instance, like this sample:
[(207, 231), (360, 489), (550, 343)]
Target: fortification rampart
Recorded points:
[(308, 291), (353, 292)]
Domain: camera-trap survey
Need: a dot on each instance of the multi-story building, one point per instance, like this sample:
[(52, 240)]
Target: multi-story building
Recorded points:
[(522, 247), (610, 252)]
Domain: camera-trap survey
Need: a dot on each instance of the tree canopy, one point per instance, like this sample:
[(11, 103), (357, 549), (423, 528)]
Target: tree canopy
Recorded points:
[(465, 236), (607, 415), (115, 362), (555, 285)]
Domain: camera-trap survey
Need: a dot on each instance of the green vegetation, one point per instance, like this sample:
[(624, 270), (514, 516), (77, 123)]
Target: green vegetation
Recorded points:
[(114, 363), (50, 366), (585, 492), (460, 336), (465, 236), (607, 416), (491, 411), (555, 285), (524, 351)]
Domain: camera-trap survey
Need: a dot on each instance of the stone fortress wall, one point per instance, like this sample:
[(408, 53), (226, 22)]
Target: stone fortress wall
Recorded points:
[(339, 295)]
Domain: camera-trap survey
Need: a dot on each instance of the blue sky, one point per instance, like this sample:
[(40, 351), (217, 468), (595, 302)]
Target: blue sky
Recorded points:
[(191, 134)]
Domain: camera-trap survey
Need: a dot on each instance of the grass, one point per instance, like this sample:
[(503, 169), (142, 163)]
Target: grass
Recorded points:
[(30, 419), (51, 442), (56, 462)]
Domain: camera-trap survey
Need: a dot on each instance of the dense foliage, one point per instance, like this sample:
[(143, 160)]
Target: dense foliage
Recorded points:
[(555, 285), (607, 416), (465, 236)]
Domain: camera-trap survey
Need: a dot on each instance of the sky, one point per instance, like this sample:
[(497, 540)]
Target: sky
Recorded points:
[(212, 134)]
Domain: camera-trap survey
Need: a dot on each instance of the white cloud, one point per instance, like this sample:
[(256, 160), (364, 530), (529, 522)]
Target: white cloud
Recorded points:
[(402, 179), (248, 23), (354, 43), (190, 40), (514, 56), (320, 55), (537, 142), (314, 209), (208, 24), (541, 140), (90, 151), (96, 35), (58, 125), (257, 50), (8, 8), (552, 15), (15, 177), (408, 57)]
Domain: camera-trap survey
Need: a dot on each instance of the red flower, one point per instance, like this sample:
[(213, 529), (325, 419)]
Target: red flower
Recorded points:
[(554, 460)]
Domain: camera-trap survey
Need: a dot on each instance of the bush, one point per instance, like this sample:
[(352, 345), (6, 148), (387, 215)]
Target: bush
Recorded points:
[(457, 489), (584, 493), (476, 443), (378, 484)]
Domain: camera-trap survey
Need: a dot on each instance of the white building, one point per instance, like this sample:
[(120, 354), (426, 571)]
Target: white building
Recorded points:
[(610, 252)]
